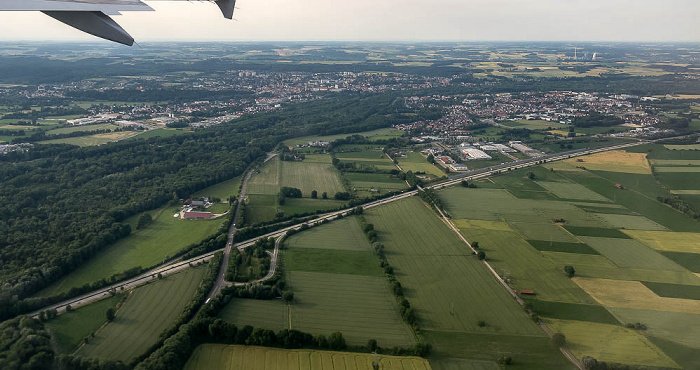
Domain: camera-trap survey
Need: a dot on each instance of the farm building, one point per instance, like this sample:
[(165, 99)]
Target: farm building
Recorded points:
[(527, 292), (197, 215)]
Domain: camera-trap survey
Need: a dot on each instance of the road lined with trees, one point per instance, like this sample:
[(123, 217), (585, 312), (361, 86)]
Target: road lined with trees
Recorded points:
[(171, 268)]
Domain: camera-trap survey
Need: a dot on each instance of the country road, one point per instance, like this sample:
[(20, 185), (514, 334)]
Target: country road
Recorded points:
[(221, 277), (176, 266)]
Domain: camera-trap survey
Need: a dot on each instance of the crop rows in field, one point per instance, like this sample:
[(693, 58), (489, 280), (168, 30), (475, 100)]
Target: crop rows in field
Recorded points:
[(360, 307), (314, 173), (375, 158), (417, 162), (610, 343), (630, 253), (71, 328), (144, 316), (222, 190), (272, 314), (342, 234), (215, 356), (525, 266), (311, 176), (379, 134), (598, 232), (450, 289), (550, 246)]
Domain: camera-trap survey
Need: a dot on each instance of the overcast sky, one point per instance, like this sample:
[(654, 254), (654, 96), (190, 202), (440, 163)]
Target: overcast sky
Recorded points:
[(391, 20)]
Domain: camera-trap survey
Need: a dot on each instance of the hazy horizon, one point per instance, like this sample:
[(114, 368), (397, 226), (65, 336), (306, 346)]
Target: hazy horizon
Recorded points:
[(390, 21)]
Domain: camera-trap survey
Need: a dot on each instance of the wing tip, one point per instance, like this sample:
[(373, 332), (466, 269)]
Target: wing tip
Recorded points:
[(227, 7)]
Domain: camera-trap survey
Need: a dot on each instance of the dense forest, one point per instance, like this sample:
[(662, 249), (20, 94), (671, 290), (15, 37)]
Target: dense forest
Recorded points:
[(65, 204)]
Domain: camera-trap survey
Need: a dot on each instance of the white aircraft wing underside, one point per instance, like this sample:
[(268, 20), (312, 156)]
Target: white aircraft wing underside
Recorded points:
[(92, 16)]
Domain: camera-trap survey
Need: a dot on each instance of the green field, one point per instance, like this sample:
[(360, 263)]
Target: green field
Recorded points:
[(378, 181), (683, 328), (161, 132), (223, 357), (462, 364), (674, 290), (66, 130), (685, 356), (640, 196), (265, 180), (599, 232), (573, 311), (535, 124), (610, 343), (338, 286), (374, 158), (314, 173), (307, 205), (332, 261), (311, 176), (273, 314), (260, 208), (342, 234), (360, 307), (380, 134), (165, 236), (430, 261), (550, 246), (525, 266), (572, 191), (534, 218), (691, 261), (92, 140), (147, 312), (222, 190), (418, 163), (630, 253), (632, 222), (69, 329), (527, 352)]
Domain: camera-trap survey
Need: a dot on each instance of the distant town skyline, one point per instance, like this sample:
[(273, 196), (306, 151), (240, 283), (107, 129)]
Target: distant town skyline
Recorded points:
[(390, 20)]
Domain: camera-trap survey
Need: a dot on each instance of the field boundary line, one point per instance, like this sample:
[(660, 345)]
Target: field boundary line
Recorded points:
[(520, 301)]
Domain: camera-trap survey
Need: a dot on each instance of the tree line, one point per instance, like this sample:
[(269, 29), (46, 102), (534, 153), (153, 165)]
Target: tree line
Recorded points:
[(63, 205)]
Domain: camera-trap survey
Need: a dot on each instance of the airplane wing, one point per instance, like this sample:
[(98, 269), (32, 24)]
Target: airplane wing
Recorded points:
[(93, 16)]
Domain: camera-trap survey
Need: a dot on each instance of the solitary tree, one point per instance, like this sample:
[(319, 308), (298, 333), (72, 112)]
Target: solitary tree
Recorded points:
[(110, 314), (372, 345), (570, 271), (559, 339), (336, 341), (324, 195), (69, 308), (505, 360), (288, 297), (475, 245), (314, 194), (481, 256)]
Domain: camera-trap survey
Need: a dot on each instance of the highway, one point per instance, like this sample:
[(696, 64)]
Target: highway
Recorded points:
[(177, 266)]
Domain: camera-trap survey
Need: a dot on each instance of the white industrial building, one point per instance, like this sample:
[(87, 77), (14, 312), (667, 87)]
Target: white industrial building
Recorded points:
[(474, 154)]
